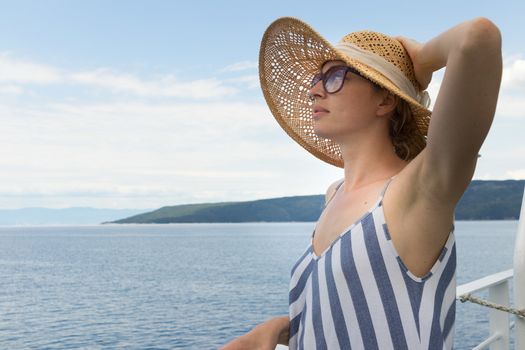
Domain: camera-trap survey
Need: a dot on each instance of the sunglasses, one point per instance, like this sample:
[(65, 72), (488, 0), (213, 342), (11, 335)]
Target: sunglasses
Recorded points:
[(333, 79)]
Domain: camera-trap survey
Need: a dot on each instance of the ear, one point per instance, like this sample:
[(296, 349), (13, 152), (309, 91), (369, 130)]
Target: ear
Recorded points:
[(387, 103)]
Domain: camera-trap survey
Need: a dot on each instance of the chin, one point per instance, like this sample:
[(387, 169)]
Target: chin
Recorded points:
[(321, 130), (322, 133)]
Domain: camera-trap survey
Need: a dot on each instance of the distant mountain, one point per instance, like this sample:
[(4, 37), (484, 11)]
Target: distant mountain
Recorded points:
[(300, 208), (491, 200), (67, 216), (483, 200)]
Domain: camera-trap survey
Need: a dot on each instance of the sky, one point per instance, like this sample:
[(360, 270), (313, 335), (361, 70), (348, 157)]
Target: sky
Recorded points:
[(143, 104)]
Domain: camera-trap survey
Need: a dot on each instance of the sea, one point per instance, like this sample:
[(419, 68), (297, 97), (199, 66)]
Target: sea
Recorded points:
[(182, 286)]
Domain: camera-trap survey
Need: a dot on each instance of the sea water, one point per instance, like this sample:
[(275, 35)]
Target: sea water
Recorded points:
[(181, 286)]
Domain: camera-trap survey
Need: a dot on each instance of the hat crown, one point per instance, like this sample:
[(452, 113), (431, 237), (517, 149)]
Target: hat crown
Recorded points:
[(387, 48)]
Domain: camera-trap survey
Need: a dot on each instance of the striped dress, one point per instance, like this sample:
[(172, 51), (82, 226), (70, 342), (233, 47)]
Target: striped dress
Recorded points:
[(358, 294)]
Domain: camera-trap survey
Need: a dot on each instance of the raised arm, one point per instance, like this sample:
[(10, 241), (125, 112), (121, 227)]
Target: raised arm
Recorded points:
[(465, 106)]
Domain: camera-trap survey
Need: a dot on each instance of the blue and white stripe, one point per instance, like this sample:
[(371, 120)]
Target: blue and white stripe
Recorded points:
[(358, 294)]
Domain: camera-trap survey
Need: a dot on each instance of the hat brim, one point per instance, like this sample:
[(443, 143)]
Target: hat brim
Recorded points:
[(291, 53)]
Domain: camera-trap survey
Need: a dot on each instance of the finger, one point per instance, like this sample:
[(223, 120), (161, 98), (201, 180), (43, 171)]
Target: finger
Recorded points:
[(403, 38), (406, 42)]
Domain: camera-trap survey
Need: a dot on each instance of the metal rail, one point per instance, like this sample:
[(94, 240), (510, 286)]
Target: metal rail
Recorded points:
[(498, 287)]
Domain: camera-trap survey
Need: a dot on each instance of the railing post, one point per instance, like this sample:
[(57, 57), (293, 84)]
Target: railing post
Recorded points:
[(519, 277), (499, 320)]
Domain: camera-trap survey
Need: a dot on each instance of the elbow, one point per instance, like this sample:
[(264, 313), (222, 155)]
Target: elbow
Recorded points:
[(482, 35)]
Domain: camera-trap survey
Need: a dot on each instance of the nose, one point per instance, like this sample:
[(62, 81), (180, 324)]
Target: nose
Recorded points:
[(317, 90)]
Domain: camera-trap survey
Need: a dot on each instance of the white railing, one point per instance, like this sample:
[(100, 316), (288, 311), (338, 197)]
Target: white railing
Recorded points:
[(519, 277), (498, 288)]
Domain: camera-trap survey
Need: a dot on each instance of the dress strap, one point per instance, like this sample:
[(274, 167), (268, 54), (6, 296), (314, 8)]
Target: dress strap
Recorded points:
[(386, 186), (333, 195)]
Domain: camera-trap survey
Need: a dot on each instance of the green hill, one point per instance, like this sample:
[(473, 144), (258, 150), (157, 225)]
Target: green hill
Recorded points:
[(483, 200), (491, 200), (301, 208)]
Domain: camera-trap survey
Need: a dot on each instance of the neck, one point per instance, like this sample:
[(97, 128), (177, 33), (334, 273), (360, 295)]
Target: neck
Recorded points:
[(369, 160)]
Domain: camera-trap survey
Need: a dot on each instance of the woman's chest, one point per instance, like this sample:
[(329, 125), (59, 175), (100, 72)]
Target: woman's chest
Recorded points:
[(341, 215)]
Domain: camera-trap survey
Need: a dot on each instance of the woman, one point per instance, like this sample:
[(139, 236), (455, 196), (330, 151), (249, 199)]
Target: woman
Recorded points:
[(380, 270)]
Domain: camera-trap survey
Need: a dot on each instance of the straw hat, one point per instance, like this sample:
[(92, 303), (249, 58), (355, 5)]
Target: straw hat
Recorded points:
[(292, 53)]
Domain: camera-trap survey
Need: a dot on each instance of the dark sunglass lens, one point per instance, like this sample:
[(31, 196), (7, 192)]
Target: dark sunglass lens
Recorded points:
[(315, 79), (334, 79)]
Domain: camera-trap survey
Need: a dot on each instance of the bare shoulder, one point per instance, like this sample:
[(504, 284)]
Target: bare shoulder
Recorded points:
[(419, 221), (331, 189)]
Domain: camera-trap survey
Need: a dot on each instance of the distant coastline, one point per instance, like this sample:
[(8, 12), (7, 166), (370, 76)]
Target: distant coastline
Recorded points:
[(483, 200)]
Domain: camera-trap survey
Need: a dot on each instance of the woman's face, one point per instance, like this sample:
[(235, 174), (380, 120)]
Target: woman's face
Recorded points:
[(347, 110)]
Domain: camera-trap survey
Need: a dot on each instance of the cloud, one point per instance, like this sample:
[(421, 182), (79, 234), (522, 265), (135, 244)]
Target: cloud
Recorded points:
[(18, 72), (11, 89), (240, 66), (99, 188), (164, 86), (138, 138), (514, 74), (512, 93), (251, 81), (107, 79), (23, 71), (219, 116), (516, 174), (511, 105)]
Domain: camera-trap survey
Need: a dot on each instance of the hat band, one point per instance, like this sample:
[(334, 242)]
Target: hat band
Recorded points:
[(386, 68)]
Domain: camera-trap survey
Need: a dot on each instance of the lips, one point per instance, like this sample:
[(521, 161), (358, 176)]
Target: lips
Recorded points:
[(318, 112)]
